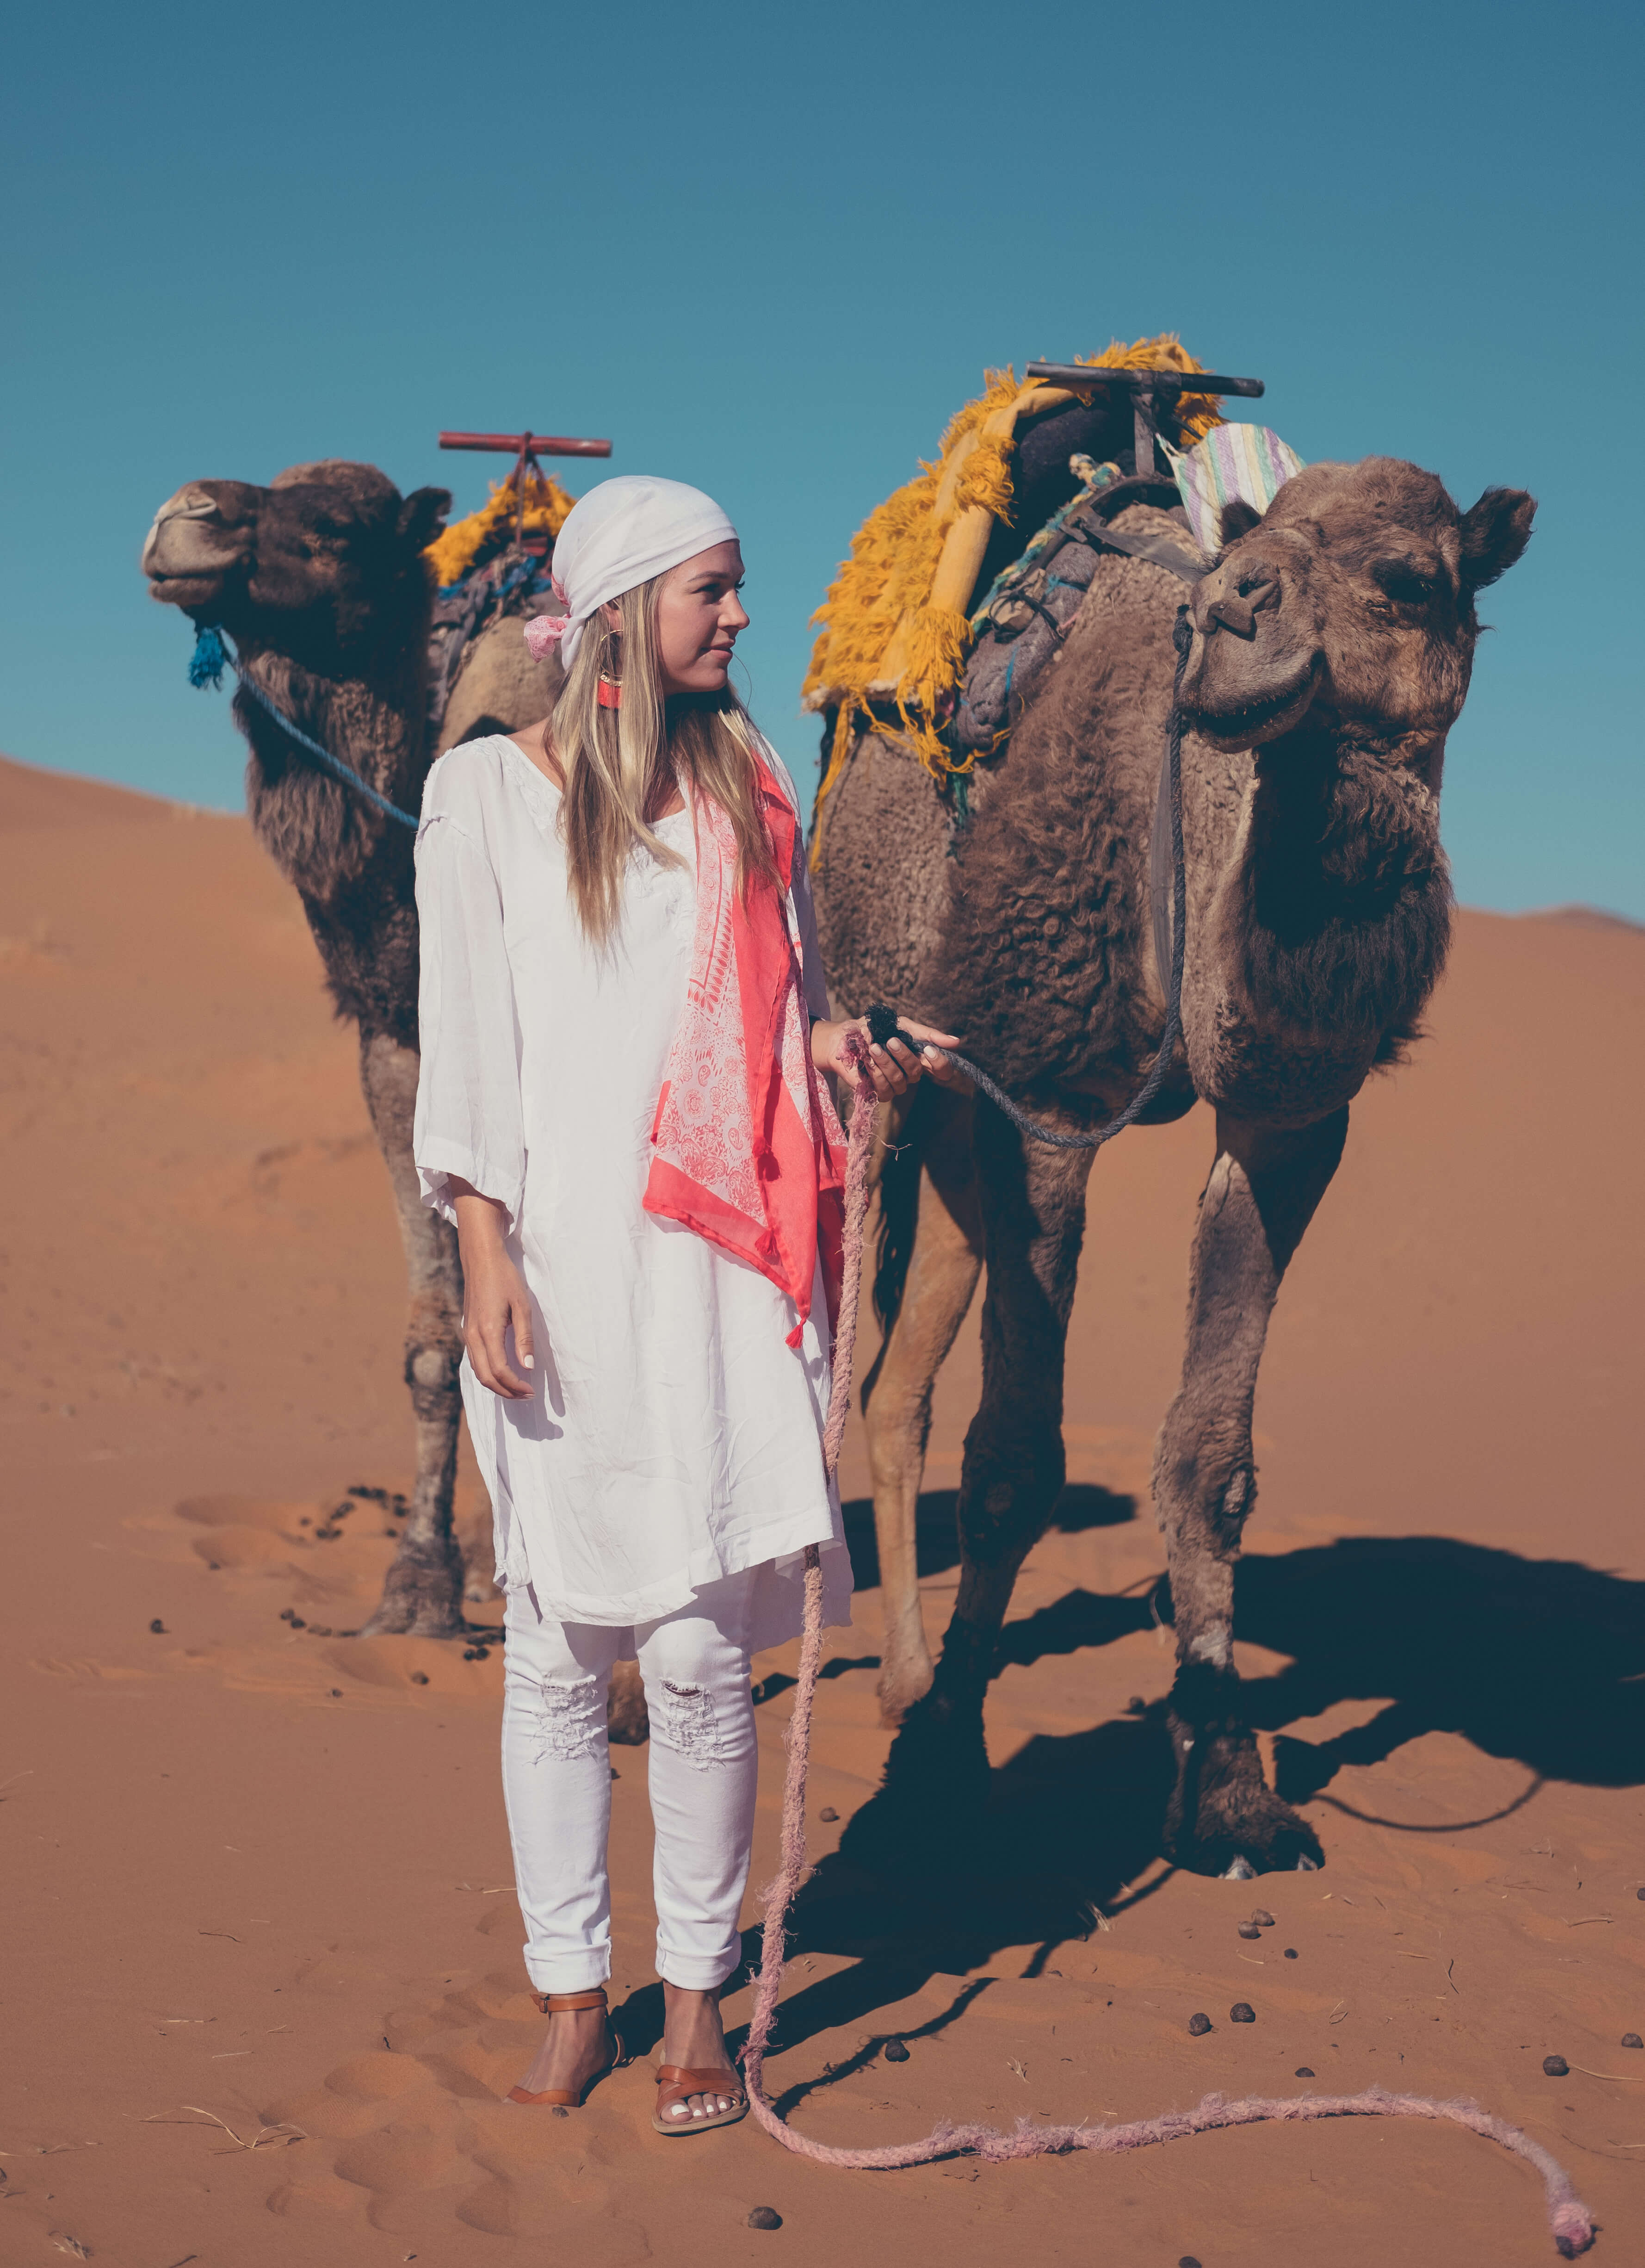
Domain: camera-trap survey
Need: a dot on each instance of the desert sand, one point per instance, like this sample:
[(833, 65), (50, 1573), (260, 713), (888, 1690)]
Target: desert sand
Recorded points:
[(234, 1839)]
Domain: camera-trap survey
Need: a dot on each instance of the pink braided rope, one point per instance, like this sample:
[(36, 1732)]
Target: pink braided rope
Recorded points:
[(1569, 2221)]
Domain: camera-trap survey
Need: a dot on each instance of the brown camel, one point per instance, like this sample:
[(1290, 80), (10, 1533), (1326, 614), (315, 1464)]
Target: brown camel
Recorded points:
[(1318, 916), (320, 579)]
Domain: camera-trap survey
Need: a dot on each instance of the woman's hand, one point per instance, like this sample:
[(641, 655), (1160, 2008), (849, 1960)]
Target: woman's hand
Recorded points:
[(894, 1069), (494, 1296)]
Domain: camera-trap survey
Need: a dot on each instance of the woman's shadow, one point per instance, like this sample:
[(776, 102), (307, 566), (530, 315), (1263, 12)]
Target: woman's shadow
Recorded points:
[(1538, 1662)]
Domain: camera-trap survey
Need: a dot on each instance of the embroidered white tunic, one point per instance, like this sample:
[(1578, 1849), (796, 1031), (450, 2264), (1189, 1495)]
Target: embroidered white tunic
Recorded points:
[(673, 1436)]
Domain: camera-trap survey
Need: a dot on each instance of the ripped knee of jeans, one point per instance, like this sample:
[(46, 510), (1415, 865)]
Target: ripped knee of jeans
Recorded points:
[(568, 1719), (683, 1717)]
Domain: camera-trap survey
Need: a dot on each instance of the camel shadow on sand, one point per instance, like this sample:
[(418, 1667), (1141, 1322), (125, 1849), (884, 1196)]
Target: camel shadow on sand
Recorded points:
[(1538, 1662)]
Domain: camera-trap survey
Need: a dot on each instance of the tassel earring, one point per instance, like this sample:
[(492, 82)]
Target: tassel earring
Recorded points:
[(610, 693)]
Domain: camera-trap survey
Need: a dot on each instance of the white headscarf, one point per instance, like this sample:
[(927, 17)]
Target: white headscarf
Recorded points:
[(622, 532)]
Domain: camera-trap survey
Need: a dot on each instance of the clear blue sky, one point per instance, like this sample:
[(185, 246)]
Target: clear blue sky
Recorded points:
[(770, 249)]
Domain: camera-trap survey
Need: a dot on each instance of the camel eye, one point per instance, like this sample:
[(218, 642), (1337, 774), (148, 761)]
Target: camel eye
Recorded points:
[(1402, 583)]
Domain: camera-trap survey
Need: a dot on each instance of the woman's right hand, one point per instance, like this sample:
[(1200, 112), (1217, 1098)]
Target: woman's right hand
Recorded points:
[(494, 1297)]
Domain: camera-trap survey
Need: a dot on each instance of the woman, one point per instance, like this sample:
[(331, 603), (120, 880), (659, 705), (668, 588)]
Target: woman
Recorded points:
[(624, 1030)]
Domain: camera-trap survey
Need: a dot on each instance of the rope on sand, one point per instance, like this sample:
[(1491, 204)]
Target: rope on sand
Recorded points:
[(1569, 2221)]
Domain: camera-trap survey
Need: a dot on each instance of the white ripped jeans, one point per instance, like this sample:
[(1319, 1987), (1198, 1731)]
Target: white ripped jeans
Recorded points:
[(702, 1764)]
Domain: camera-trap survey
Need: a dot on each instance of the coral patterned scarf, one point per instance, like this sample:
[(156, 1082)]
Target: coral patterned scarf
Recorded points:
[(747, 1148)]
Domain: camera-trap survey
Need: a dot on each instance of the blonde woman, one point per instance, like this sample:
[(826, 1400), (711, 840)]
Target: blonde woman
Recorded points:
[(623, 1028)]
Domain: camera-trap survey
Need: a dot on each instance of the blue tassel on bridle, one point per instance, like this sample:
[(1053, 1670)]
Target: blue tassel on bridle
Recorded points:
[(206, 663)]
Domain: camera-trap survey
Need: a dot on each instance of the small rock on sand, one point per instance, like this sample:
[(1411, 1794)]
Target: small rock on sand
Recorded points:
[(1242, 2013), (1248, 1929), (419, 1676), (1263, 1918), (827, 1814), (1199, 2024), (1290, 1953), (1303, 2071), (895, 2052), (1555, 2066), (158, 1628), (1632, 2040), (1187, 2261), (765, 2216)]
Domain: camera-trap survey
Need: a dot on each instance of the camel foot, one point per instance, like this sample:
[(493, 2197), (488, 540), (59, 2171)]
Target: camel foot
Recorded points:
[(1223, 1818), (901, 1688), (421, 1597), (627, 1722), (940, 1751)]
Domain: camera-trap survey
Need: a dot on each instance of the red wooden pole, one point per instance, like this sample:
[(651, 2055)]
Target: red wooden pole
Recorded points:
[(529, 445)]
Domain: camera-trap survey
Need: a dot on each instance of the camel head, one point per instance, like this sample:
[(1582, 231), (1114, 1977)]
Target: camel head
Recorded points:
[(1347, 606), (325, 565)]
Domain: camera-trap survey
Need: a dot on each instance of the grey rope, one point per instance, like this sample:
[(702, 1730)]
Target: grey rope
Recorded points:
[(883, 1023), (351, 778)]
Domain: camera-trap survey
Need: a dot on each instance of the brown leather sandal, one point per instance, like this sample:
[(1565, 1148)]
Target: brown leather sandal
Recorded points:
[(676, 2080), (565, 2098)]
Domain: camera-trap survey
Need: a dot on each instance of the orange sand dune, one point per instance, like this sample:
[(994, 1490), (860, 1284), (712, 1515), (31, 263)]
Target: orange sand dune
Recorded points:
[(257, 1872)]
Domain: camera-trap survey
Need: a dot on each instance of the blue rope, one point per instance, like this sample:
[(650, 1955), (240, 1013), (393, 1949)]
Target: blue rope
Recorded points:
[(205, 667)]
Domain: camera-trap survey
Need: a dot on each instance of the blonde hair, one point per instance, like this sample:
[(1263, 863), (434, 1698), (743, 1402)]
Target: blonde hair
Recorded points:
[(616, 763)]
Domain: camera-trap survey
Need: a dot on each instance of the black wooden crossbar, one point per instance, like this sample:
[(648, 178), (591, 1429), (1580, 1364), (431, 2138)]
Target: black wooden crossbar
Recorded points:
[(1145, 387), (1145, 381)]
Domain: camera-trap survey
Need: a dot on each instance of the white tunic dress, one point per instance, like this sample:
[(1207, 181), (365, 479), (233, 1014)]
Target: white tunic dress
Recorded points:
[(673, 1436)]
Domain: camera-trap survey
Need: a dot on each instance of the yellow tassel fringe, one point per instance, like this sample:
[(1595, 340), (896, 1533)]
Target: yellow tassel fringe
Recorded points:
[(470, 541), (895, 630)]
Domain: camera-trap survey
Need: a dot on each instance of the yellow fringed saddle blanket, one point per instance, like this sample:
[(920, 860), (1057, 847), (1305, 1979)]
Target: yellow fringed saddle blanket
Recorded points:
[(895, 622), (470, 542)]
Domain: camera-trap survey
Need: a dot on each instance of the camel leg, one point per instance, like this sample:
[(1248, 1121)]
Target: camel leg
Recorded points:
[(1261, 1195), (1033, 1214), (422, 1593), (942, 1275)]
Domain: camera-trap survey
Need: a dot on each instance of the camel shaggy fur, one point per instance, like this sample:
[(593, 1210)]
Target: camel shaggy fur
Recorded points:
[(1318, 910)]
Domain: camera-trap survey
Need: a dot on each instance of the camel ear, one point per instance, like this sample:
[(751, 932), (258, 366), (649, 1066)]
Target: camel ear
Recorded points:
[(422, 516), (1494, 532), (1240, 516)]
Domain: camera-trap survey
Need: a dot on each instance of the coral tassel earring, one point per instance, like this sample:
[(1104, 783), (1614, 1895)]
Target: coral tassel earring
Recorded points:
[(610, 695)]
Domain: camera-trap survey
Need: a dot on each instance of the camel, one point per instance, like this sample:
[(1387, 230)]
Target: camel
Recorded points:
[(1331, 644), (320, 579)]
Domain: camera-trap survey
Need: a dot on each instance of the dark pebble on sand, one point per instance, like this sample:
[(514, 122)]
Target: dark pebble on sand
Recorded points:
[(614, 1772), (482, 1653), (559, 2110), (1290, 1953), (1242, 2013), (1136, 1705), (297, 1623), (765, 2216), (895, 2052), (321, 1630), (1632, 2040), (419, 1676), (1555, 2066), (1303, 2071), (1187, 2261), (1248, 1929), (1199, 2024), (827, 1814), (158, 1628), (1263, 1918), (336, 1692)]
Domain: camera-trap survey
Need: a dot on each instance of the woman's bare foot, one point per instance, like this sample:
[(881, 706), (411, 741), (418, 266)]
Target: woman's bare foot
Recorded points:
[(575, 2045), (693, 2037)]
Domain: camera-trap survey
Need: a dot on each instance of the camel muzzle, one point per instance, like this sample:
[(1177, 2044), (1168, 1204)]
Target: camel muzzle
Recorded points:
[(191, 535)]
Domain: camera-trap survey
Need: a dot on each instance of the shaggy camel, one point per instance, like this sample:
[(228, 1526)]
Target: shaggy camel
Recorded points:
[(320, 579), (1331, 651)]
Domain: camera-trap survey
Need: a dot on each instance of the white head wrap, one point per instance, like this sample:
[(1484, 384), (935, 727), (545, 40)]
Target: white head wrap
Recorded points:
[(622, 532)]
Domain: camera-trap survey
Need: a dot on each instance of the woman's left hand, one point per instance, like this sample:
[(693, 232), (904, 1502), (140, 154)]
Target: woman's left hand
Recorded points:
[(894, 1069)]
